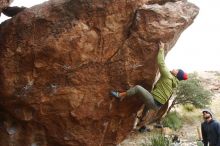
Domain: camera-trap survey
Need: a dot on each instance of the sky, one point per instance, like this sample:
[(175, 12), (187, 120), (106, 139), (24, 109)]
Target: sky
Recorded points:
[(197, 48)]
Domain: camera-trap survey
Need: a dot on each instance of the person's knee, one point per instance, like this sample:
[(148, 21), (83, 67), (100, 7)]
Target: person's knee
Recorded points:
[(138, 87)]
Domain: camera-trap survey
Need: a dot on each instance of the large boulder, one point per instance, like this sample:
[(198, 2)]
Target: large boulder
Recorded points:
[(4, 4), (60, 59)]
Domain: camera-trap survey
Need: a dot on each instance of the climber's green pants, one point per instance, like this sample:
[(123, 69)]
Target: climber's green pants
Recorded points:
[(146, 96)]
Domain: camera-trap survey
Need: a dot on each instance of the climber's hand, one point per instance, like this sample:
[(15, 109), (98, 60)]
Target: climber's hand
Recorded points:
[(161, 45)]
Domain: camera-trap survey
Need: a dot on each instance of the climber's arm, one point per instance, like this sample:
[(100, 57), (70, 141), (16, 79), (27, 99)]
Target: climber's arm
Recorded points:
[(161, 62)]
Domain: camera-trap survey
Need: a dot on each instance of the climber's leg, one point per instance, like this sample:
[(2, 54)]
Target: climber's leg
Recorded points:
[(145, 95)]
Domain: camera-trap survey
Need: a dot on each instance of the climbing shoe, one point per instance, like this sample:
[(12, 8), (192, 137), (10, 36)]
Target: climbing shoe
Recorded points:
[(115, 94), (144, 129)]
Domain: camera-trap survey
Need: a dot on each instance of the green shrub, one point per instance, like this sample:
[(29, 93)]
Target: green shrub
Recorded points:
[(188, 107), (192, 91), (173, 121), (199, 143), (159, 140)]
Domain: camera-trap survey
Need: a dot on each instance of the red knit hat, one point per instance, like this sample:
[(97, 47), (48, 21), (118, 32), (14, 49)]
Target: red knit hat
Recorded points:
[(181, 75)]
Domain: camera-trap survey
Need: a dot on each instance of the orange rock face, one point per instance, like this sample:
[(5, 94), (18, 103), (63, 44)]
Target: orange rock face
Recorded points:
[(60, 60), (5, 3)]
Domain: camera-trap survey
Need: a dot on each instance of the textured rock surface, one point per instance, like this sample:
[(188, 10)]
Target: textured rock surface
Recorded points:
[(59, 60), (5, 3)]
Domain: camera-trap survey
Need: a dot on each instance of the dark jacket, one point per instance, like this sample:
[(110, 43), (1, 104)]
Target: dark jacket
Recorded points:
[(211, 133)]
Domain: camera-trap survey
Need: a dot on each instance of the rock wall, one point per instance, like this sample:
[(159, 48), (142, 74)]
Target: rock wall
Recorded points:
[(59, 60), (4, 3)]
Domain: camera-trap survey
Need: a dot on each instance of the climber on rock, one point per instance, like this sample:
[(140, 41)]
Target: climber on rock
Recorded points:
[(162, 90), (12, 11)]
